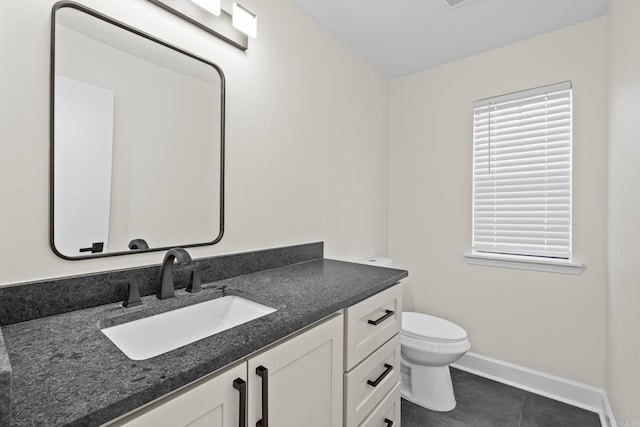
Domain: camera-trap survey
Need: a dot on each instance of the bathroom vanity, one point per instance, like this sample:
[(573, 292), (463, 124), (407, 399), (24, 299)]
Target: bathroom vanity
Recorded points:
[(300, 380), (314, 360), (277, 377)]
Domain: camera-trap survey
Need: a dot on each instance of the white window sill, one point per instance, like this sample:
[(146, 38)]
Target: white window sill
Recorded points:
[(524, 263)]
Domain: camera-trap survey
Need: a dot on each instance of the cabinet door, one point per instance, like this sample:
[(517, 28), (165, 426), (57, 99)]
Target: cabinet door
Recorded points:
[(299, 382), (211, 402)]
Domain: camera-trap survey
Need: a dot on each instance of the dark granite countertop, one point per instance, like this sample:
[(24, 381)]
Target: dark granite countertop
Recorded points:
[(66, 372)]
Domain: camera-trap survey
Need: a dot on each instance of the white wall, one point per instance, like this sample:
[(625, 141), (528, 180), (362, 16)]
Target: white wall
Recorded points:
[(546, 321), (307, 131), (623, 296)]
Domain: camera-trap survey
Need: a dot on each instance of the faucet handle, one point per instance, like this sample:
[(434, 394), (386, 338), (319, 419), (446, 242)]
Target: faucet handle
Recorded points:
[(194, 282), (133, 294), (138, 244)]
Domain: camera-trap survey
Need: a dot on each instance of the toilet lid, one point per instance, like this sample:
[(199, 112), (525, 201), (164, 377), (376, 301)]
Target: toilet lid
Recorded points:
[(425, 326)]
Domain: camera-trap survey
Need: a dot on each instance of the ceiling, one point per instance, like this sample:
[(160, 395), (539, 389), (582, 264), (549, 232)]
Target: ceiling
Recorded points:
[(404, 36)]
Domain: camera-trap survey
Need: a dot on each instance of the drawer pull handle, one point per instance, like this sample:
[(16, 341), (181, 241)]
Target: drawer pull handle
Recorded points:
[(263, 373), (241, 385), (376, 322), (387, 371), (389, 422)]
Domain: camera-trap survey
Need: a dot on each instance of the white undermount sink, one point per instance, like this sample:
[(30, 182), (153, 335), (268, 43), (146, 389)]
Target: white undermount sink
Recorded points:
[(154, 335)]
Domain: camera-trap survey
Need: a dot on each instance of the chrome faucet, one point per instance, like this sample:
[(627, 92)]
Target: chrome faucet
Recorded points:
[(166, 277)]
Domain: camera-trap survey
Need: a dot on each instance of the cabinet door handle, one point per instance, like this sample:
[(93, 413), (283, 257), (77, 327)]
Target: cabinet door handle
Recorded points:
[(241, 385), (388, 422), (387, 371), (263, 373), (376, 322)]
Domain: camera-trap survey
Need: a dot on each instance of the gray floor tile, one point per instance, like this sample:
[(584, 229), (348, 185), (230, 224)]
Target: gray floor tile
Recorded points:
[(539, 411), (485, 403)]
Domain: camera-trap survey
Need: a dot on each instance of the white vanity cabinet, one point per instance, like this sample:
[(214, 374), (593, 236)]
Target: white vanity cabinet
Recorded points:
[(372, 360), (297, 382), (340, 372)]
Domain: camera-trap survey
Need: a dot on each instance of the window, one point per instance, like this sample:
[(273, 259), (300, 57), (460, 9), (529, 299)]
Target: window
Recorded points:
[(522, 174)]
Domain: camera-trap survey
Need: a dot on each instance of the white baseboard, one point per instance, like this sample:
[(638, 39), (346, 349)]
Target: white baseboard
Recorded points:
[(571, 392)]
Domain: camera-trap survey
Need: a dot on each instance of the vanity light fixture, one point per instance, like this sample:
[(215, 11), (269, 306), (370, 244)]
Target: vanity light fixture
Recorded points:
[(211, 6), (235, 28), (245, 20)]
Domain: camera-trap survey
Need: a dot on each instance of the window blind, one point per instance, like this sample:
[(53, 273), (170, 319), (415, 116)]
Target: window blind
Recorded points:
[(522, 173)]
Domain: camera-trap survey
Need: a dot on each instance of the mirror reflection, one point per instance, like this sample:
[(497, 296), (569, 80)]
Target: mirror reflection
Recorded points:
[(137, 140)]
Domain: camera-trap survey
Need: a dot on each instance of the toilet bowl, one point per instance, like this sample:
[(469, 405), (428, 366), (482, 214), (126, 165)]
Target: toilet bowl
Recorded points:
[(429, 345)]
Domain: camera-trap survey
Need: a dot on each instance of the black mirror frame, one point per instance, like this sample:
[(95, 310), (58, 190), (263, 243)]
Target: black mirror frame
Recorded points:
[(96, 14)]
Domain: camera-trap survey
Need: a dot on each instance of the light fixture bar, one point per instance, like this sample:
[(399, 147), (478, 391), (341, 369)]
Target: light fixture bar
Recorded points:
[(245, 20), (220, 26)]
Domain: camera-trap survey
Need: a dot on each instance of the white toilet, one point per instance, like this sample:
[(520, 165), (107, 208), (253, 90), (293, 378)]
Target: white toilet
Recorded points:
[(429, 345)]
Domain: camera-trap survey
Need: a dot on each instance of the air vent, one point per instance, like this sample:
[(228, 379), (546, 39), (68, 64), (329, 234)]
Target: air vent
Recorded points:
[(457, 3)]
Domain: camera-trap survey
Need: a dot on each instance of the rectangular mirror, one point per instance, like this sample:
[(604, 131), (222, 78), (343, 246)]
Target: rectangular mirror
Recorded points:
[(137, 140)]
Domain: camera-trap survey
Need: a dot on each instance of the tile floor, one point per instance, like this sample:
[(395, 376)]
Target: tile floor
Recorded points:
[(486, 403)]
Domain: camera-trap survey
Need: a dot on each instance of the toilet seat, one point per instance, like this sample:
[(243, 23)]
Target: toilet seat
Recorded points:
[(426, 327)]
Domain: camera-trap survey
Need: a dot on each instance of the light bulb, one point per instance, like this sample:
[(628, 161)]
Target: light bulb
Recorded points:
[(244, 20), (211, 6)]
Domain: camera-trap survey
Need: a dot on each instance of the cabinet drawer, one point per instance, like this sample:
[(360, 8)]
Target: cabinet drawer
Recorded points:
[(368, 383), (387, 414), (371, 323)]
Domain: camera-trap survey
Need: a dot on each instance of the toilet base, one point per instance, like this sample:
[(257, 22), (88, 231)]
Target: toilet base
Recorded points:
[(428, 386)]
